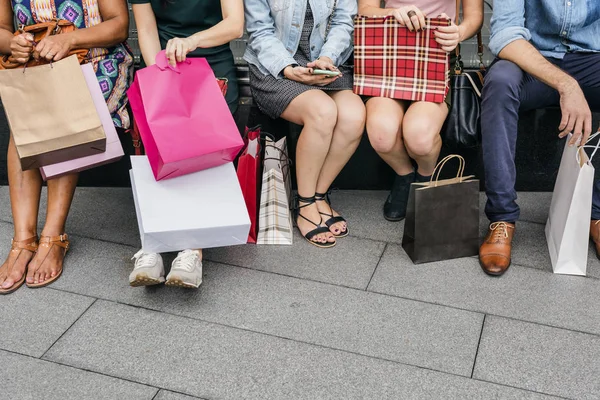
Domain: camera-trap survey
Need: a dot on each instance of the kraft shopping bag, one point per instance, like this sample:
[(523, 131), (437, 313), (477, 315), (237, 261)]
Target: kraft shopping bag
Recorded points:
[(183, 119), (275, 216), (568, 224), (114, 150), (442, 217), (196, 211), (51, 113)]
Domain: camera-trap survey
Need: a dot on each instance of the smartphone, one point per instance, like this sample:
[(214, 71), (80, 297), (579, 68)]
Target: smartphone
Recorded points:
[(326, 72)]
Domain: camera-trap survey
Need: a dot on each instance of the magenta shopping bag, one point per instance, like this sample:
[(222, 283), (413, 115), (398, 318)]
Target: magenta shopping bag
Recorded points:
[(183, 119), (114, 150)]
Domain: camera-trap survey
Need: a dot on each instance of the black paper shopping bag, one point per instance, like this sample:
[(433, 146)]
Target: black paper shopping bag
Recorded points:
[(442, 218)]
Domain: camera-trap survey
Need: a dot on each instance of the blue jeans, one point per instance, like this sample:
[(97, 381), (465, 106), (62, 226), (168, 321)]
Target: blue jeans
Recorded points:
[(508, 90)]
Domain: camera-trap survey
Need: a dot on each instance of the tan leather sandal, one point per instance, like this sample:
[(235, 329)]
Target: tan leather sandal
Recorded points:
[(31, 245), (49, 242)]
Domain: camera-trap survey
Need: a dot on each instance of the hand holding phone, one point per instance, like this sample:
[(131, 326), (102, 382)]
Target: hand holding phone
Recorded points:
[(325, 72)]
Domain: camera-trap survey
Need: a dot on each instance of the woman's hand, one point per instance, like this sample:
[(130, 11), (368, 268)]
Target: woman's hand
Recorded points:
[(305, 75), (21, 47), (178, 48), (324, 63), (448, 36), (53, 48), (411, 17)]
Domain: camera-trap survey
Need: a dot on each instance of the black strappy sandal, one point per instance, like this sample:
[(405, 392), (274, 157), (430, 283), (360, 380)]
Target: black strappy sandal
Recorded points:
[(332, 219), (320, 229)]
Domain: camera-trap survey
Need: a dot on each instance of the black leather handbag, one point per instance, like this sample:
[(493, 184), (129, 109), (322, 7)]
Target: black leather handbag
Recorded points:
[(462, 128)]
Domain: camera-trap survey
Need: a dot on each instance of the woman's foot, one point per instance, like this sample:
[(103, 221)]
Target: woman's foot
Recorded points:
[(148, 270), (394, 208), (47, 264), (334, 221), (186, 270), (12, 272), (310, 223)]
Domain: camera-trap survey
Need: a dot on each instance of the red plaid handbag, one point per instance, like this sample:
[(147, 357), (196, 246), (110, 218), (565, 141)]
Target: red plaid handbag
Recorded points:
[(391, 61)]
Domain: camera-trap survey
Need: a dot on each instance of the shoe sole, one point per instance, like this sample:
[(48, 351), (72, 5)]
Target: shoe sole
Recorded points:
[(142, 279), (178, 282), (393, 219), (494, 273)]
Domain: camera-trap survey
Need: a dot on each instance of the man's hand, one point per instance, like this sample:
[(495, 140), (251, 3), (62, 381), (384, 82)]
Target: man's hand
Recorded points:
[(576, 113)]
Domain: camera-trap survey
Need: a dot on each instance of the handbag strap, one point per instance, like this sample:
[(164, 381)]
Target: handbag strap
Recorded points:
[(457, 66), (330, 20)]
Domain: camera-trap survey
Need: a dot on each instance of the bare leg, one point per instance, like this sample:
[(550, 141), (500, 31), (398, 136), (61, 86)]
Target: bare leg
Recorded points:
[(48, 261), (317, 113), (384, 127), (421, 132), (348, 131), (25, 190)]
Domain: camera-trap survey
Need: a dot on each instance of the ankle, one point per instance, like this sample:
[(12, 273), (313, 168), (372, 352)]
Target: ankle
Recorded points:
[(24, 235), (49, 231)]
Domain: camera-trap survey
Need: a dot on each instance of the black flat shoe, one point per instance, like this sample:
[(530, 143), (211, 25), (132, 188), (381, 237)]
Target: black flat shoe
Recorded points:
[(332, 219), (394, 208), (319, 227)]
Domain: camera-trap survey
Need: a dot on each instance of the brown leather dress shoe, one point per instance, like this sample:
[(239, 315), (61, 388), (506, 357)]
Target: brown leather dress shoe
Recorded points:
[(595, 235), (494, 253)]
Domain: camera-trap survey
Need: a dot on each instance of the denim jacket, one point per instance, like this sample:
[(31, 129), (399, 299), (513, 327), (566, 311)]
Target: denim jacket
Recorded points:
[(275, 27), (554, 27)]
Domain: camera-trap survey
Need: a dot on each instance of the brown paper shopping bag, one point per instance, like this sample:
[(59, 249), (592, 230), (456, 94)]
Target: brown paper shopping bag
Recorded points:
[(51, 113)]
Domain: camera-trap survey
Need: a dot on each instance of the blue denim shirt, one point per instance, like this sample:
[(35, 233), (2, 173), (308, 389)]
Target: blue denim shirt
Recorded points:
[(275, 27), (554, 27)]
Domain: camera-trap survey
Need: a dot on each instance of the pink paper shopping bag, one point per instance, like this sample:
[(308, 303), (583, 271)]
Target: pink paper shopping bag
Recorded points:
[(183, 119), (114, 150)]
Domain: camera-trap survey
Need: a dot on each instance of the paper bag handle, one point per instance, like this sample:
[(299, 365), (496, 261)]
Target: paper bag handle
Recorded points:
[(586, 146), (438, 168), (162, 62)]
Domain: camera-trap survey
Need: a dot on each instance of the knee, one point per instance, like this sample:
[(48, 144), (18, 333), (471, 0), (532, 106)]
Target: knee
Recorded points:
[(502, 78), (420, 136), (322, 117), (383, 134), (351, 122)]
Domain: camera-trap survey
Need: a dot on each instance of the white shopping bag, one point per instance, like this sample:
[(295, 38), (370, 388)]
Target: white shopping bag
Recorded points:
[(275, 217), (568, 225), (196, 211)]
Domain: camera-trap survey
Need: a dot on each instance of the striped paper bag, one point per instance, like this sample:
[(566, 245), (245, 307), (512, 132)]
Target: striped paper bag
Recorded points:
[(391, 61), (275, 217)]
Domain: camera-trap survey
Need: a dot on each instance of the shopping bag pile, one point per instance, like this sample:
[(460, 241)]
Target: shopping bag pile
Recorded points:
[(186, 191), (264, 174), (58, 117)]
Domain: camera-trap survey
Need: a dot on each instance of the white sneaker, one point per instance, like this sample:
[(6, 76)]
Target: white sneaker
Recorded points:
[(148, 269), (186, 270)]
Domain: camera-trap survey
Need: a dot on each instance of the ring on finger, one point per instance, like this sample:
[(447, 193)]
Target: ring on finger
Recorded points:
[(411, 13)]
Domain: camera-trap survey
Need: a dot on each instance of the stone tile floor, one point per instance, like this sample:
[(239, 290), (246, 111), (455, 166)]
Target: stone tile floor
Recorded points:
[(356, 322)]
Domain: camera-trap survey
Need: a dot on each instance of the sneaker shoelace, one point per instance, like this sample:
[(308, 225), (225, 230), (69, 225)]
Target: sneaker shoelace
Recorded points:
[(500, 230), (186, 260), (145, 260)]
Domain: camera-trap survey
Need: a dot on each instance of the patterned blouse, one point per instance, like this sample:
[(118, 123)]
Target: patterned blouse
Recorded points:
[(113, 66)]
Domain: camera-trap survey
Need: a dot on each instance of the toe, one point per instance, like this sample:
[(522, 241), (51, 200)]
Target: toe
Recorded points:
[(7, 283)]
